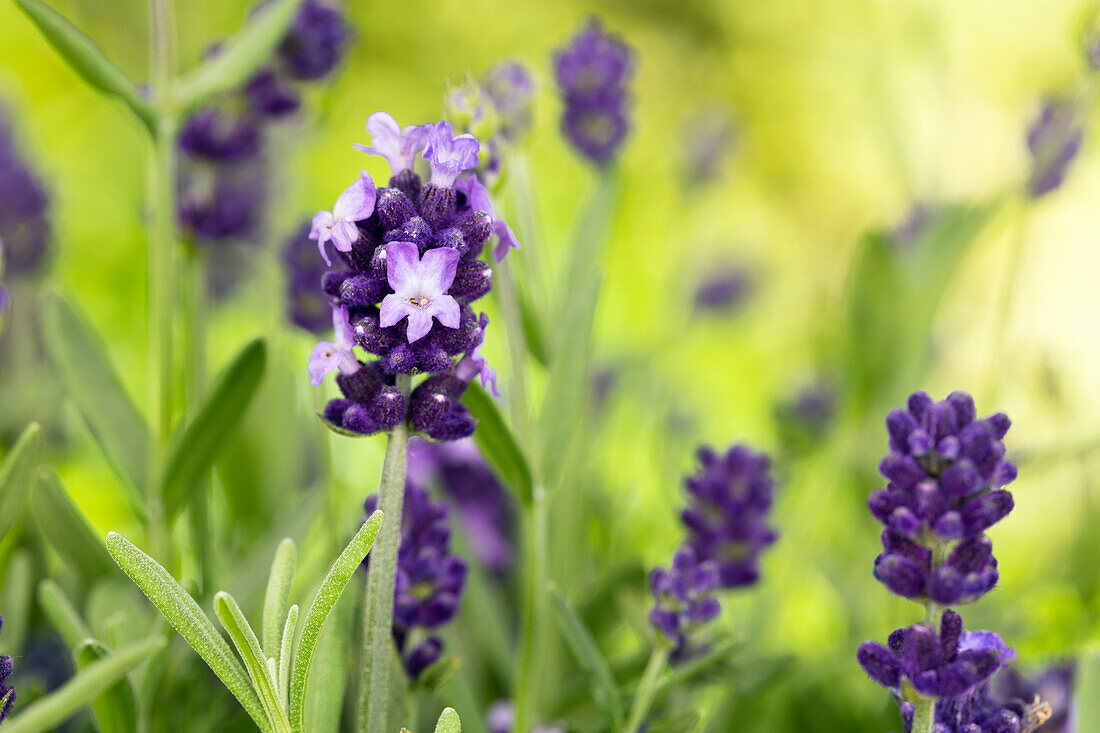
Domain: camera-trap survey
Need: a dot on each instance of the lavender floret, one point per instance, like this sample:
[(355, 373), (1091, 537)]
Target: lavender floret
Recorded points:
[(24, 208), (1053, 140), (7, 693)]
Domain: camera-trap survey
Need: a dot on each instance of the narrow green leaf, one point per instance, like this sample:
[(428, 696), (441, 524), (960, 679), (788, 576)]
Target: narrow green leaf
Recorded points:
[(62, 614), (188, 619), (16, 598), (248, 646), (533, 330), (80, 359), (275, 599), (286, 651), (327, 595), (65, 527), (438, 674), (196, 444), (48, 712), (115, 710), (328, 682), (498, 445), (684, 722), (16, 475), (448, 722), (588, 655), (239, 57), (86, 58), (1087, 692)]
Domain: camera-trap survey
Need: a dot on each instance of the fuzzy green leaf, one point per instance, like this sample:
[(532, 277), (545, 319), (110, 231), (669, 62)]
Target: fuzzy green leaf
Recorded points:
[(62, 614), (16, 474), (188, 619), (275, 599), (115, 710), (80, 359), (48, 712), (588, 655), (86, 58), (286, 652), (498, 444), (438, 674), (248, 646), (327, 596), (448, 722), (328, 682), (65, 527), (196, 444), (239, 57)]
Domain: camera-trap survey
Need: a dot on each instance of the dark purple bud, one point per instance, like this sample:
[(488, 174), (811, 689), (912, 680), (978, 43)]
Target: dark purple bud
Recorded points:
[(946, 586), (363, 290), (358, 420), (473, 279), (374, 339), (899, 424), (476, 228), (949, 526), (903, 521), (963, 404), (882, 504), (387, 408), (879, 663), (393, 208), (215, 135), (951, 629), (971, 555), (900, 575), (437, 204), (424, 655), (332, 281), (315, 41), (982, 512), (920, 650), (456, 424), (920, 404), (415, 230), (901, 470), (271, 96), (360, 386), (335, 409)]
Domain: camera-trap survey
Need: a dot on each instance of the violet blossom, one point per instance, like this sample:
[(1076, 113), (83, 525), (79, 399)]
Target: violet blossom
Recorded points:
[(420, 288), (449, 154), (330, 356), (338, 226), (399, 147)]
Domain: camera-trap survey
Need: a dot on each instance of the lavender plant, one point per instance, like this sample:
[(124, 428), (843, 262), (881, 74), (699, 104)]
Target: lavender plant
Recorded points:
[(946, 469), (7, 692)]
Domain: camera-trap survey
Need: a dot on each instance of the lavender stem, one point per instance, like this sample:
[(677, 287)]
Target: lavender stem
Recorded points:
[(374, 684), (643, 698)]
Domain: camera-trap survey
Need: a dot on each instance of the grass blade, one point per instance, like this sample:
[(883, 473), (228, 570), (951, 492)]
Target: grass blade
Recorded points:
[(588, 655), (86, 58), (498, 445), (239, 57), (248, 646), (16, 475), (275, 599), (91, 382), (196, 444), (48, 712), (327, 595), (188, 619)]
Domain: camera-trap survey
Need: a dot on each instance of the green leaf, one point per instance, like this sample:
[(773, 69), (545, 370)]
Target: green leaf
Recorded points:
[(286, 652), (65, 527), (327, 595), (15, 598), (448, 722), (81, 362), (325, 695), (239, 57), (62, 614), (115, 709), (684, 722), (588, 655), (48, 712), (498, 445), (1087, 692), (533, 330), (248, 646), (275, 599), (16, 475), (196, 444), (188, 619), (438, 674), (86, 58)]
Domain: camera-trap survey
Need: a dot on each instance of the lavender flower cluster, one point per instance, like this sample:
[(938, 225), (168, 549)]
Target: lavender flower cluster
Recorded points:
[(224, 175), (497, 111), (945, 472), (7, 694), (726, 517), (593, 74), (429, 578), (1053, 140), (25, 232), (412, 268)]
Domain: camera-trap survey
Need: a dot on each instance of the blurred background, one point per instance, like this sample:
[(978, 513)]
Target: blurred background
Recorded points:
[(777, 273)]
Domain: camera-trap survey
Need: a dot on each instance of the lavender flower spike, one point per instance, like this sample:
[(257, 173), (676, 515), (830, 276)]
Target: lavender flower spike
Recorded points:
[(328, 356), (398, 147), (420, 286), (450, 154), (7, 694), (338, 226)]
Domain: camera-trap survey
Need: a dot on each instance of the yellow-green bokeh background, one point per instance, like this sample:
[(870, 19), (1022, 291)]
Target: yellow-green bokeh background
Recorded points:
[(847, 110)]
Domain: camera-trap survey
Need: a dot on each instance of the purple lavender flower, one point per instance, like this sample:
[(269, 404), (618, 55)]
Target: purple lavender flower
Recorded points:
[(1053, 140), (727, 512), (724, 290), (945, 471), (484, 507), (478, 197), (24, 208), (338, 226), (220, 203), (501, 718), (7, 694), (511, 89), (1053, 685), (915, 223), (371, 402), (215, 134), (271, 95), (420, 287), (307, 307), (707, 138), (449, 154), (399, 147), (330, 356), (683, 597), (593, 72), (315, 42), (429, 578), (805, 417)]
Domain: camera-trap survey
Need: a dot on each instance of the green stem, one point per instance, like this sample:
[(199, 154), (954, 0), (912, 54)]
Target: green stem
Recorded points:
[(162, 207), (508, 299), (643, 698), (533, 610), (195, 325), (374, 685)]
